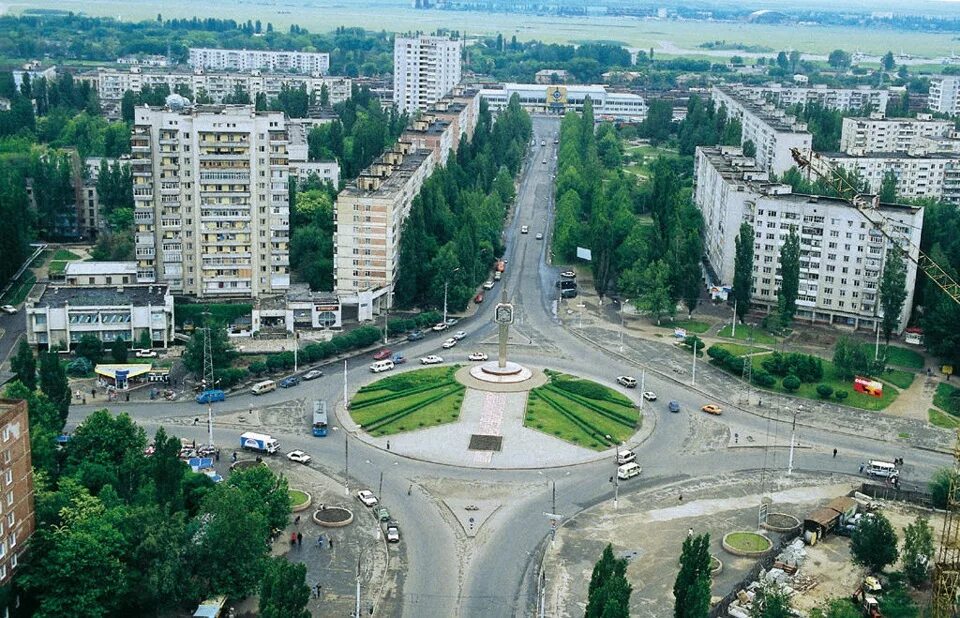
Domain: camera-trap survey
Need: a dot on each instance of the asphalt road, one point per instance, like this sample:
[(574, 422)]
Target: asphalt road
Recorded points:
[(491, 575)]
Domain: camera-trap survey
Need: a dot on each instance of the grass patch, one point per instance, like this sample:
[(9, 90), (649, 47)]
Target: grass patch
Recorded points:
[(691, 326), (63, 255), (947, 398), (938, 418), (740, 350), (748, 541), (904, 357), (297, 497), (899, 378), (19, 290), (747, 333), (224, 313), (581, 412), (408, 401), (57, 268)]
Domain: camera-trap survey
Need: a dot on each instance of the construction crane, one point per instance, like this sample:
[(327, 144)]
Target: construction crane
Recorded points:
[(946, 574), (867, 205)]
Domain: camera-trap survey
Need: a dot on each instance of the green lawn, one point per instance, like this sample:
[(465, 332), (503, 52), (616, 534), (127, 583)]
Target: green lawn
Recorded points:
[(62, 255), (297, 497), (748, 541), (904, 357), (899, 378), (57, 268), (738, 349), (692, 326), (412, 400), (19, 290), (942, 419), (584, 416), (947, 398), (747, 333)]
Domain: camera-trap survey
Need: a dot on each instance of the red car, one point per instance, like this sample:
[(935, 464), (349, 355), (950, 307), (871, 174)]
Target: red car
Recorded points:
[(383, 354), (478, 298)]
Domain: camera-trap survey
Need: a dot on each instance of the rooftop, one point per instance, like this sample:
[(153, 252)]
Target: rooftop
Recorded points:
[(100, 268), (940, 156), (775, 119), (399, 174), (120, 296)]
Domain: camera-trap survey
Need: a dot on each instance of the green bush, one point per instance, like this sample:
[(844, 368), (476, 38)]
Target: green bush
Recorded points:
[(718, 354), (824, 390), (257, 368), (840, 395), (763, 379), (584, 388), (428, 318), (229, 377), (734, 363), (791, 383), (79, 366), (805, 367)]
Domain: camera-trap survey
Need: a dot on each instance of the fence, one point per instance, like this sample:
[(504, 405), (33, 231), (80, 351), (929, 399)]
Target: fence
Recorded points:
[(764, 563), (886, 491)]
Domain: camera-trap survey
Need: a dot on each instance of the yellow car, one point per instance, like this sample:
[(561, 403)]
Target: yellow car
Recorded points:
[(712, 409)]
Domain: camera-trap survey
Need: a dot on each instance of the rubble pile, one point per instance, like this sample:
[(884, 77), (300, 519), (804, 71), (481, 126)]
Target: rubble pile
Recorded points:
[(785, 574)]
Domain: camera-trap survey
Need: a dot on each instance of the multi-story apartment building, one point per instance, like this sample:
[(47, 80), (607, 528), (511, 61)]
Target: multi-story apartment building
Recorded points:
[(369, 213), (944, 95), (773, 132), (862, 98), (425, 69), (211, 200), (877, 133), (309, 63), (428, 132), (461, 109), (64, 314), (934, 175), (301, 167), (842, 255), (112, 83), (536, 98), (17, 517)]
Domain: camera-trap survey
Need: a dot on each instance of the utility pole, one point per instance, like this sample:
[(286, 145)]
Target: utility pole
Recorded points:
[(733, 327), (296, 348), (380, 491), (693, 379), (876, 349), (616, 489), (793, 431), (445, 284), (346, 401), (554, 496), (357, 610), (208, 378), (346, 461), (643, 380)]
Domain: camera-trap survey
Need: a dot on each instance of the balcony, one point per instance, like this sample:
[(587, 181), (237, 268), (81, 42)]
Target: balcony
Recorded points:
[(171, 224), (172, 256), (144, 218), (146, 252)]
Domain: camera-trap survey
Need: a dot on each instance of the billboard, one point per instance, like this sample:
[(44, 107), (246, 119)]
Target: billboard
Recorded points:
[(868, 386), (584, 254), (556, 96)]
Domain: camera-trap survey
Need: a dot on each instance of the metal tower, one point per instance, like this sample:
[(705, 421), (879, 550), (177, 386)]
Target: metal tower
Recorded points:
[(208, 383), (946, 570)]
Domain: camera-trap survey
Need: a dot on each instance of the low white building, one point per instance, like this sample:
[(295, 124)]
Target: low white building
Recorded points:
[(96, 274), (64, 314), (842, 255), (540, 99), (299, 309)]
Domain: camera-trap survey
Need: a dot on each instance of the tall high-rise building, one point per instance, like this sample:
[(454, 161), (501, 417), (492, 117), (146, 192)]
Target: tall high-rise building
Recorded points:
[(944, 96), (16, 507), (211, 201), (425, 68)]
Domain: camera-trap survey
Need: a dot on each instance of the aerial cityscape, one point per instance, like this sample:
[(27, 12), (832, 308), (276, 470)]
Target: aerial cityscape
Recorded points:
[(477, 308)]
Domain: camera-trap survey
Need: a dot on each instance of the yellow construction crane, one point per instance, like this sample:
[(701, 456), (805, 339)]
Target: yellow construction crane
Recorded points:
[(946, 574), (867, 206)]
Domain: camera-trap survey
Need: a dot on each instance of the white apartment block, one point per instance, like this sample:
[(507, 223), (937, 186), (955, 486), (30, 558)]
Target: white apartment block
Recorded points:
[(540, 99), (309, 63), (211, 200), (425, 69), (934, 175), (772, 131), (112, 83), (842, 99), (878, 133), (461, 109), (427, 132), (842, 255), (944, 95)]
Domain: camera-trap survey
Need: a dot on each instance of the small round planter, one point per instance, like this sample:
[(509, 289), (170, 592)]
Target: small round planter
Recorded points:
[(716, 566), (780, 522), (303, 506), (333, 517), (746, 544)]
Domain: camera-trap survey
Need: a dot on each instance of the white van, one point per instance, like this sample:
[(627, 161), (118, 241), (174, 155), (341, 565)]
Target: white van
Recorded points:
[(629, 470), (263, 387), (625, 457), (384, 365), (884, 469)]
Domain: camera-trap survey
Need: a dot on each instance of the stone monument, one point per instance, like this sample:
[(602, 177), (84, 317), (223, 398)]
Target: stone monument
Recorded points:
[(502, 370)]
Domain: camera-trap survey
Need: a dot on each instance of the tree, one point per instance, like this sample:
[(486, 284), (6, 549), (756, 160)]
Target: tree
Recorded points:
[(893, 292), (888, 62), (749, 148), (790, 278), (782, 61), (691, 589), (118, 351), (940, 487), (24, 365), (90, 347), (324, 96), (791, 383), (267, 492), (771, 602), (743, 269), (608, 595), (283, 593), (837, 608), (888, 187), (145, 341), (917, 550), (221, 350), (53, 382), (839, 59), (874, 543), (654, 291), (127, 106)]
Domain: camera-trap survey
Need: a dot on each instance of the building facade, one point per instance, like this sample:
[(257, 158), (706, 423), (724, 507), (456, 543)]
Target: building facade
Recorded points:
[(538, 99), (771, 130), (944, 95), (309, 63), (931, 175), (16, 507), (64, 314), (842, 256), (877, 133), (95, 274), (425, 69), (862, 98), (211, 200)]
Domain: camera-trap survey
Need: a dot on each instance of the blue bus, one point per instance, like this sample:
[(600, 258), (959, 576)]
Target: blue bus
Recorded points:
[(319, 418)]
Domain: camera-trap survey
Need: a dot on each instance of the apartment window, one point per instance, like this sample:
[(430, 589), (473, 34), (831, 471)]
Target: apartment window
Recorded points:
[(8, 477), (11, 518), (13, 539), (7, 457)]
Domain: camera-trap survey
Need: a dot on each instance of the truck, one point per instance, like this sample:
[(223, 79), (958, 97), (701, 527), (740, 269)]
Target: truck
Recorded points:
[(259, 442)]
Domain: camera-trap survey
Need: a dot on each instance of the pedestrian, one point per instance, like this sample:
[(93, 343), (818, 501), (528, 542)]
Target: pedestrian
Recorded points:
[(736, 438), (834, 453), (84, 400), (861, 468), (681, 497), (233, 458), (320, 541), (93, 393), (410, 490), (690, 532), (296, 521), (388, 445), (196, 421), (293, 538), (330, 540), (760, 402), (128, 396), (299, 539), (216, 455)]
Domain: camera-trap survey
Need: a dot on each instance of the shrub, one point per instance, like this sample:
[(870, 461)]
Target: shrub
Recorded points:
[(80, 366), (763, 379), (584, 388), (257, 368), (824, 390), (734, 363), (718, 354), (229, 377), (840, 395), (791, 383)]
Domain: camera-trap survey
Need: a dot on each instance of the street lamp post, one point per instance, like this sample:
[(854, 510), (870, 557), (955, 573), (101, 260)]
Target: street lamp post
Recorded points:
[(693, 377), (446, 282), (622, 303)]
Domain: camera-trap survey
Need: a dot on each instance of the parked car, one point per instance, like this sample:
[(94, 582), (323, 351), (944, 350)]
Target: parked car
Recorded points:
[(452, 321), (383, 354), (393, 532), (712, 408), (439, 327), (146, 354), (568, 274), (211, 396), (544, 161), (459, 335), (488, 285), (539, 236), (366, 496), (627, 381), (449, 343), (382, 513), (313, 374), (524, 229), (433, 359), (298, 456), (398, 359), (650, 395), (289, 382), (477, 356), (478, 298), (416, 335), (568, 293), (8, 309)]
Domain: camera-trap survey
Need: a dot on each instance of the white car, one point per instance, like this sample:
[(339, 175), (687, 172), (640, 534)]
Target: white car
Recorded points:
[(650, 395), (393, 532), (433, 359), (298, 457), (146, 354), (449, 343), (452, 321), (544, 161), (313, 374), (459, 335), (539, 236), (8, 309), (627, 381), (366, 496), (488, 285), (568, 274), (477, 356), (439, 327), (524, 229)]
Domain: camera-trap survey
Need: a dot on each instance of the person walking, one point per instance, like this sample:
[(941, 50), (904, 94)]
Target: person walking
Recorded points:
[(388, 445), (299, 539), (331, 542), (834, 453), (861, 468)]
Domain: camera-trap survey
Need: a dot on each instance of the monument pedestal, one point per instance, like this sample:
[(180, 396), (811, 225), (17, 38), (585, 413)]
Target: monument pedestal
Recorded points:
[(492, 372)]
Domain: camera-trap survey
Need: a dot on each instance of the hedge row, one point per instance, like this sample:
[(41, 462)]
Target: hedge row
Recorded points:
[(397, 395), (402, 412), (587, 403), (592, 431)]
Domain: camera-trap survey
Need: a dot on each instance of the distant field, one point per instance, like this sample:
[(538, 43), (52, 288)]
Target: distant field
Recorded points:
[(321, 16)]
